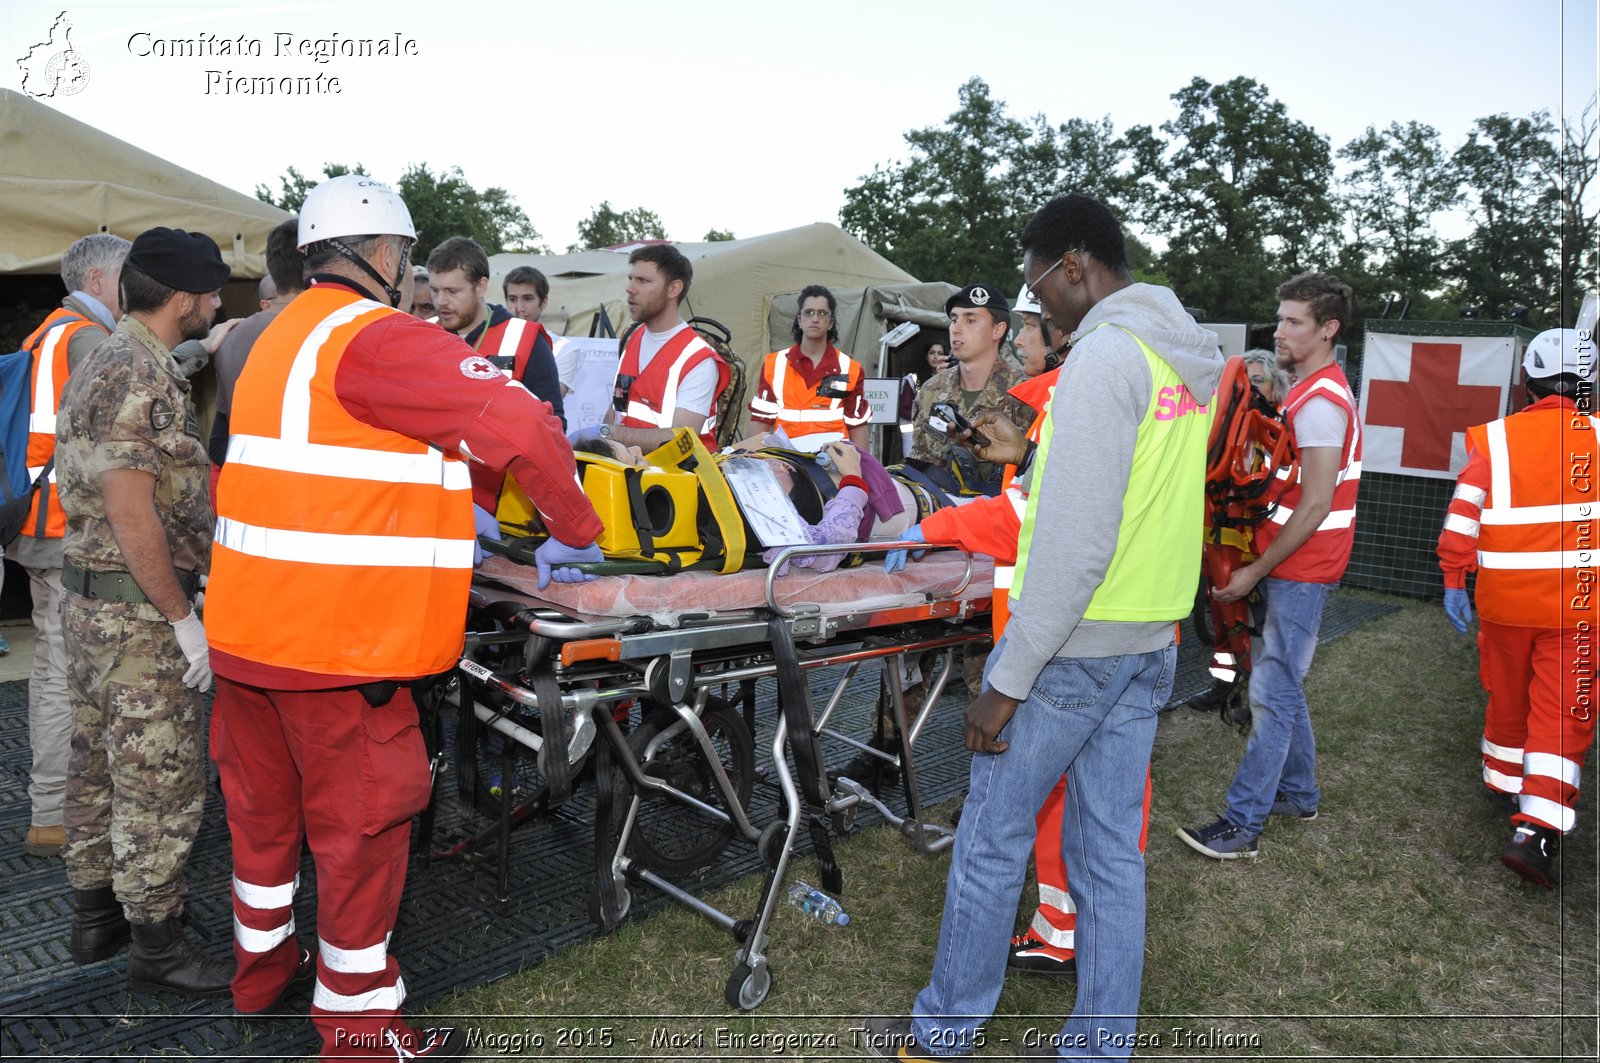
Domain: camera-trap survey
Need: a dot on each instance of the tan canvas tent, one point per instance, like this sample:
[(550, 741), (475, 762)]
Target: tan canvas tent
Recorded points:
[(61, 179), (734, 282)]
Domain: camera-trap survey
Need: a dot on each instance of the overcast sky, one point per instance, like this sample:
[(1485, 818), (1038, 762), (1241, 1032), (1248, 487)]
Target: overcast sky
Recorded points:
[(755, 117)]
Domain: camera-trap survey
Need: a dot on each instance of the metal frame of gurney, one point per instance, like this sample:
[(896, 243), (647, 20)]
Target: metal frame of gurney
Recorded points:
[(686, 768)]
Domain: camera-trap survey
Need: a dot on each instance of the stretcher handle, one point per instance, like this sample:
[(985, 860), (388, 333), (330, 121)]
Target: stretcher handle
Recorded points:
[(853, 548)]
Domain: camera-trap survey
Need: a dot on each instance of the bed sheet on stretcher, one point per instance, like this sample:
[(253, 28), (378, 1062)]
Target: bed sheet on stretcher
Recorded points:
[(666, 599)]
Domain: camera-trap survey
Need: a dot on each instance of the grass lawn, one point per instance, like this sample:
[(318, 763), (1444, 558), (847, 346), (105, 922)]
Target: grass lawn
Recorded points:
[(1386, 928)]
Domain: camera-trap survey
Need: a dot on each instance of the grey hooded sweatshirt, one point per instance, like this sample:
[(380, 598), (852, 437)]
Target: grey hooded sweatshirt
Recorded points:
[(1103, 392)]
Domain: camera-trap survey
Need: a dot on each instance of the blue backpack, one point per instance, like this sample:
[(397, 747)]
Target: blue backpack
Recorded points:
[(16, 405)]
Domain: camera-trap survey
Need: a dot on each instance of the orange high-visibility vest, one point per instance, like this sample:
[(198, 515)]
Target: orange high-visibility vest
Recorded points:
[(46, 519), (1323, 557), (340, 548), (1539, 529), (653, 395), (808, 419)]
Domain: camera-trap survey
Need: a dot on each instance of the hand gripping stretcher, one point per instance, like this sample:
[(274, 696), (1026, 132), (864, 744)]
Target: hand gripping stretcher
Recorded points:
[(549, 674)]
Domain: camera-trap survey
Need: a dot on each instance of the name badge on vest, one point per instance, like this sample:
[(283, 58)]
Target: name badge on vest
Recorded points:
[(619, 393), (833, 386)]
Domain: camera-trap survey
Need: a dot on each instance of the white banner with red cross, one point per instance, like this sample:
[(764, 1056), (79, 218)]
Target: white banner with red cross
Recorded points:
[(1420, 394)]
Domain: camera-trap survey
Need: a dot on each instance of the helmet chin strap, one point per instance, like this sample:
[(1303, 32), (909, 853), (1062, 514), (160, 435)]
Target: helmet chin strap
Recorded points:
[(1057, 355), (392, 290)]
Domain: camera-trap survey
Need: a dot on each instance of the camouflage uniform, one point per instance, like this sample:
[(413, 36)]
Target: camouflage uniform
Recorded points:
[(945, 386), (136, 778)]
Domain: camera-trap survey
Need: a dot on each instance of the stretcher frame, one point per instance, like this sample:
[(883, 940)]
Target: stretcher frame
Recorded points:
[(585, 666)]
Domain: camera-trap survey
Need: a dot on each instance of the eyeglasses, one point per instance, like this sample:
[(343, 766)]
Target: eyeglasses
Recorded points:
[(1033, 289), (817, 315)]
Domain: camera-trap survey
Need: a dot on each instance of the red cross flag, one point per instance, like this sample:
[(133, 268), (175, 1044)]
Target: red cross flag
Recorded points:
[(1419, 395)]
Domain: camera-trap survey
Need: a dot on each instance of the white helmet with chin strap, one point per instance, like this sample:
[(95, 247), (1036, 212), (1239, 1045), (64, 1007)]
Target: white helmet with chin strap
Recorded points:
[(352, 205), (1559, 351), (1026, 302)]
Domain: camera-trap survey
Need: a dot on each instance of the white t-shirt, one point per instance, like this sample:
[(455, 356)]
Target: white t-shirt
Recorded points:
[(697, 390), (566, 355), (1321, 422)]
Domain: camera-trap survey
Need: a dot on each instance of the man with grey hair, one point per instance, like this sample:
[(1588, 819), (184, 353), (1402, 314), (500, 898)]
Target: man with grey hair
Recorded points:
[(91, 269)]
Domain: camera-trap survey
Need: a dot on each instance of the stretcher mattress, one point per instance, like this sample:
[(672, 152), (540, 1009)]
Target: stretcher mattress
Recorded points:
[(667, 600)]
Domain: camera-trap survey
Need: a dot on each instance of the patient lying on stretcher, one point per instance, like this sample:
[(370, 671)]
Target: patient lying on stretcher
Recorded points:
[(867, 503)]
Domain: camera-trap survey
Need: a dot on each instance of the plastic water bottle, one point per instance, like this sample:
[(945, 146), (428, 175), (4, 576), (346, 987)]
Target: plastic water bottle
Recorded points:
[(818, 905)]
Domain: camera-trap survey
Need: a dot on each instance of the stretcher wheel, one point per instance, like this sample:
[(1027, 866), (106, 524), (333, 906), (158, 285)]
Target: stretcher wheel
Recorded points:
[(747, 989), (772, 842), (624, 903), (669, 837)]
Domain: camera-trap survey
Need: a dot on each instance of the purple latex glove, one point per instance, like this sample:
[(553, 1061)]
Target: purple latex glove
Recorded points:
[(550, 558), (485, 527)]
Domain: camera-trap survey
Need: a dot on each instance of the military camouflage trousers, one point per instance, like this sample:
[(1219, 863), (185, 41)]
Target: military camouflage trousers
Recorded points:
[(136, 777)]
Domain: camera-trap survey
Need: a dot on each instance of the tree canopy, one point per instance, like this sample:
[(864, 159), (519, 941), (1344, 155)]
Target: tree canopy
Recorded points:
[(442, 205), (606, 226), (1234, 194)]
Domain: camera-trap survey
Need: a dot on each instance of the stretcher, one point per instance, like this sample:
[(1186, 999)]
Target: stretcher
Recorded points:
[(644, 686)]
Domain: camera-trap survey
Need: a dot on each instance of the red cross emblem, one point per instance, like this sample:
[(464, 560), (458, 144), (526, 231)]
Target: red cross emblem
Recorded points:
[(1432, 406), (478, 368)]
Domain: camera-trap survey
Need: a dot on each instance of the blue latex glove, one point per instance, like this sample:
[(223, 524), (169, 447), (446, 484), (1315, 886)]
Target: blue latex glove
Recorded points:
[(895, 560), (1458, 607), (485, 526), (584, 434), (553, 554)]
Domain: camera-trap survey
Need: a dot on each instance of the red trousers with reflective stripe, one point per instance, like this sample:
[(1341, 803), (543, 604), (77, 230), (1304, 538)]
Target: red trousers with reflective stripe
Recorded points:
[(347, 778), (1541, 691), (1048, 862)]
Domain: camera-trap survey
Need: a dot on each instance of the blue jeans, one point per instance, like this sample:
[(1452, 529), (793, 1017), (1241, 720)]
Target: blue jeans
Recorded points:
[(1095, 718), (1281, 755)]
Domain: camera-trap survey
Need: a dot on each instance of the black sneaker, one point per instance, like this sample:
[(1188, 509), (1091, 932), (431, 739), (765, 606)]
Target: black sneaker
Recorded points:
[(872, 772), (1532, 854), (1031, 954), (891, 1038), (1282, 806), (1221, 840), (305, 969)]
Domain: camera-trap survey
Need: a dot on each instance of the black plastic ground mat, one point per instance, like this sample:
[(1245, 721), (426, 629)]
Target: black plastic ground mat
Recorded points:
[(452, 933)]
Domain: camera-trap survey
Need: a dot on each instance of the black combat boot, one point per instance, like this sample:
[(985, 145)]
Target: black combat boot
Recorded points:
[(164, 960), (99, 929)]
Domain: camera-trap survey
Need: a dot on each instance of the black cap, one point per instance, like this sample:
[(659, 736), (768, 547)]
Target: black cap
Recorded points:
[(185, 262), (981, 297)]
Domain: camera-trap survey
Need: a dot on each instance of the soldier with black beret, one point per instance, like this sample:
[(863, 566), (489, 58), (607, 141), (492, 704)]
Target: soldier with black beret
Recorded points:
[(132, 472)]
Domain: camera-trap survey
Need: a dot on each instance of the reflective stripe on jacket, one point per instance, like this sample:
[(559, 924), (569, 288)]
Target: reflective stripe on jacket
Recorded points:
[(653, 394), (340, 548), (1323, 557), (46, 519)]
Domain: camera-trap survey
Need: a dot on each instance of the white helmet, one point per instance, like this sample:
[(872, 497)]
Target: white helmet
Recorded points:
[(353, 205), (1559, 350), (1026, 303)]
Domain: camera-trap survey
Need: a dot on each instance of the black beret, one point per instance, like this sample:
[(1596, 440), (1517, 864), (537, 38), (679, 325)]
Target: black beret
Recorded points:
[(981, 297), (185, 262)]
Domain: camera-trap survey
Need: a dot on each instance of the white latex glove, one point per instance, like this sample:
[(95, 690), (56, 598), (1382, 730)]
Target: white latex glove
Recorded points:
[(192, 641)]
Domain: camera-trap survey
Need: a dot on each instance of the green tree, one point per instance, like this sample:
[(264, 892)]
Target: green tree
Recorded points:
[(1580, 237), (954, 209), (1240, 190), (1401, 178), (717, 236), (295, 185), (606, 227), (443, 205), (1508, 265)]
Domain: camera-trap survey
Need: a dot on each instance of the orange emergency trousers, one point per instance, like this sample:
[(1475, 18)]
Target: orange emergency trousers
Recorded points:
[(991, 526), (1534, 539), (324, 523)]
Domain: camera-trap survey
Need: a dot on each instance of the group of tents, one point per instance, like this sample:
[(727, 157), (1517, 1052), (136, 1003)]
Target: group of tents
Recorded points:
[(89, 181)]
